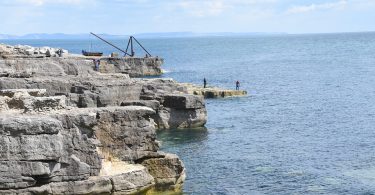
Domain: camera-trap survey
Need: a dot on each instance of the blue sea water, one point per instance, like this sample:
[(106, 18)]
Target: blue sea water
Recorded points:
[(306, 127)]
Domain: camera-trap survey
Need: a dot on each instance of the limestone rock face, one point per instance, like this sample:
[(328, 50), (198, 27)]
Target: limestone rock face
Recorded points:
[(29, 100), (132, 182), (62, 151), (8, 51), (174, 108), (115, 130), (153, 104), (41, 104), (170, 118), (183, 111), (67, 129), (183, 101), (31, 92), (133, 66), (177, 108), (212, 92), (35, 150), (169, 171), (27, 61)]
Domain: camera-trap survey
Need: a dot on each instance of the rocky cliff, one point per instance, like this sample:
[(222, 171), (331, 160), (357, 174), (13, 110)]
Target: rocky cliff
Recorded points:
[(50, 148), (27, 61), (67, 129)]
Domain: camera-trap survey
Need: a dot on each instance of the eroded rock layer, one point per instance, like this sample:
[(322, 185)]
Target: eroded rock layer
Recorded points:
[(67, 129), (66, 150)]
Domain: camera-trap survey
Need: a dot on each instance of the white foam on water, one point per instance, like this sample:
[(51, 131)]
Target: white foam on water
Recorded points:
[(165, 71)]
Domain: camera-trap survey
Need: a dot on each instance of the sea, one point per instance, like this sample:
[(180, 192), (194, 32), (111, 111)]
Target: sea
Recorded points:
[(307, 125)]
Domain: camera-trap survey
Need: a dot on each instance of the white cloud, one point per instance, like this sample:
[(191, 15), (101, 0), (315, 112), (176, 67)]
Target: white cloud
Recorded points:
[(45, 2), (202, 8), (315, 7), (363, 4)]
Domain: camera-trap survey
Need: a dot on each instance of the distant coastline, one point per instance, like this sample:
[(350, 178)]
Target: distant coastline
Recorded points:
[(63, 36), (140, 35)]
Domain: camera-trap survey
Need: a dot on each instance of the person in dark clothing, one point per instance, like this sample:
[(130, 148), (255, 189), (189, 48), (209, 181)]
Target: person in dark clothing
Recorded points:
[(97, 64), (204, 83), (237, 85)]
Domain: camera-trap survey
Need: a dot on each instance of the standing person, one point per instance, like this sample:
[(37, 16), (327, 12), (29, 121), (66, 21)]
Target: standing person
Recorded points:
[(97, 63), (237, 85), (204, 82), (94, 60)]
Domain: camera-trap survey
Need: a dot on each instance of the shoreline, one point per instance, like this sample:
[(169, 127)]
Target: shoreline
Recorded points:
[(110, 117)]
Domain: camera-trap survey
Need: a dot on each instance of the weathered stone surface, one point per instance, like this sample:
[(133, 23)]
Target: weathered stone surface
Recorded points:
[(61, 122), (116, 131), (183, 101), (153, 104), (98, 185), (8, 51), (32, 92), (219, 93), (28, 62), (45, 189), (153, 89), (4, 103), (31, 147), (135, 67), (21, 174), (169, 172), (22, 100), (14, 182), (41, 104), (29, 125), (170, 118), (212, 92), (41, 150), (131, 182), (77, 170), (63, 148), (179, 109)]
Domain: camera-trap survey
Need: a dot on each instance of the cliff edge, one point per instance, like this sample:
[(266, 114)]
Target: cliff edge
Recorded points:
[(67, 129)]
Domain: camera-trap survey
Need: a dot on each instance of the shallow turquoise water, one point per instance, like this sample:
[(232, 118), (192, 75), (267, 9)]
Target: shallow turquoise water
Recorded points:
[(307, 126)]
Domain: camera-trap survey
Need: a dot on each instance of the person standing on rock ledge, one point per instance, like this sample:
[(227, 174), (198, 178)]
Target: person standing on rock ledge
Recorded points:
[(237, 85), (204, 83), (97, 63)]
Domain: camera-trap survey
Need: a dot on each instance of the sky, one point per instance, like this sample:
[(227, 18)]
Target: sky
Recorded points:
[(123, 17)]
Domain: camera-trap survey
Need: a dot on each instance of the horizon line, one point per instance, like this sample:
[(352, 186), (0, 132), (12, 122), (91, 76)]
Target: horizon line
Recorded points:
[(192, 33)]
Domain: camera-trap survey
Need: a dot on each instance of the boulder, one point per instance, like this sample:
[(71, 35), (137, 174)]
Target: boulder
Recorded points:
[(29, 51), (132, 181), (169, 171), (183, 101), (170, 118)]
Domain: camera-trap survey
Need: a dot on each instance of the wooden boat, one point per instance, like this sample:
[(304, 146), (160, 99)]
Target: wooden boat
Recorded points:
[(87, 53)]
